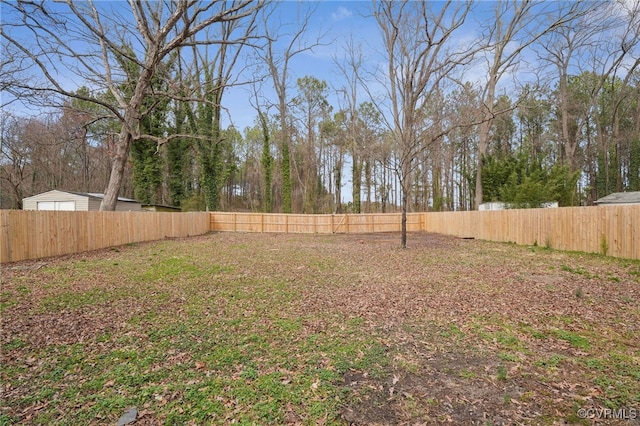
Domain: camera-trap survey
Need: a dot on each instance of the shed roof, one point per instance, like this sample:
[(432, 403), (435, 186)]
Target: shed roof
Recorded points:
[(620, 198), (90, 195)]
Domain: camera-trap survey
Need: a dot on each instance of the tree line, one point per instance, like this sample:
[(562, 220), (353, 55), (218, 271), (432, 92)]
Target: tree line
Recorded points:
[(553, 116)]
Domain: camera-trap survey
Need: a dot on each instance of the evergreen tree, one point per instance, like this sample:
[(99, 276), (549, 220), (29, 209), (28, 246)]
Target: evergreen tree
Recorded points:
[(522, 181)]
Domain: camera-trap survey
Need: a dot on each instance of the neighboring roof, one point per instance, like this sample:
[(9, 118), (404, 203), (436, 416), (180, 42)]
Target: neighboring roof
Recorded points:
[(101, 196), (90, 195), (162, 206), (620, 198)]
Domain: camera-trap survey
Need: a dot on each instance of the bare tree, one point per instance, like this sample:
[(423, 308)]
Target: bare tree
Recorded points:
[(351, 69), (14, 161), (616, 72), (564, 45), (85, 40), (417, 39), (278, 63), (512, 26), (218, 75), (601, 46)]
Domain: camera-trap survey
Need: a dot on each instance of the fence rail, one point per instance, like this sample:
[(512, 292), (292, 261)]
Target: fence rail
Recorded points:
[(36, 234)]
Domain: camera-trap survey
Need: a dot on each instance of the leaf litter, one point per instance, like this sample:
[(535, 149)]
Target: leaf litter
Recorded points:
[(472, 332)]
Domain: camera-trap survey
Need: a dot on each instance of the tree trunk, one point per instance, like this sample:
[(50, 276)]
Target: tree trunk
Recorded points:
[(405, 204), (286, 177), (356, 174), (117, 171), (267, 164)]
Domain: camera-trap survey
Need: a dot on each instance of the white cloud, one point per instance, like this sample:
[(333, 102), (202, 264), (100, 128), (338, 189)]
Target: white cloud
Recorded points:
[(341, 13)]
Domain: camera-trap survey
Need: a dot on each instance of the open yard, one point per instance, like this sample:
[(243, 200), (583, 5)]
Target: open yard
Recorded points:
[(321, 329)]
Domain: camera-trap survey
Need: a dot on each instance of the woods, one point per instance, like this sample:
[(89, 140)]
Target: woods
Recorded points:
[(541, 102)]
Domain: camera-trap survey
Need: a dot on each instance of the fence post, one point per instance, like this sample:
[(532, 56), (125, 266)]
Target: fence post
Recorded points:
[(5, 253)]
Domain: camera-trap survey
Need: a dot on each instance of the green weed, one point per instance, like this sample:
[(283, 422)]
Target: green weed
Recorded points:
[(467, 374), (92, 296), (502, 373), (604, 246), (577, 271), (552, 362), (574, 339), (508, 357)]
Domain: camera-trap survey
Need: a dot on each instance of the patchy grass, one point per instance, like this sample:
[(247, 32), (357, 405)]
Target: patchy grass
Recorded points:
[(303, 329)]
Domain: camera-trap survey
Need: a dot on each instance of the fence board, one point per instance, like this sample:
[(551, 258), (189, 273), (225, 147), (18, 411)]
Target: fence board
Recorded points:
[(37, 234)]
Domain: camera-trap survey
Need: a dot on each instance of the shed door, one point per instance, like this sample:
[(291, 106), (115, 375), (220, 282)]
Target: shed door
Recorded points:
[(46, 205), (66, 205), (57, 205)]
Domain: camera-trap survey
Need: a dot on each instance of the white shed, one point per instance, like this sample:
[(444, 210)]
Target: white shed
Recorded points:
[(499, 205), (74, 201)]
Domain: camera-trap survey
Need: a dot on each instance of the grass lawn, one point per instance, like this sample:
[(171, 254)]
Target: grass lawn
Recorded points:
[(320, 329)]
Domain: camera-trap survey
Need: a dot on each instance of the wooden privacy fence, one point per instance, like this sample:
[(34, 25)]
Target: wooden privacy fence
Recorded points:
[(314, 223), (588, 229), (37, 234), (614, 229)]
